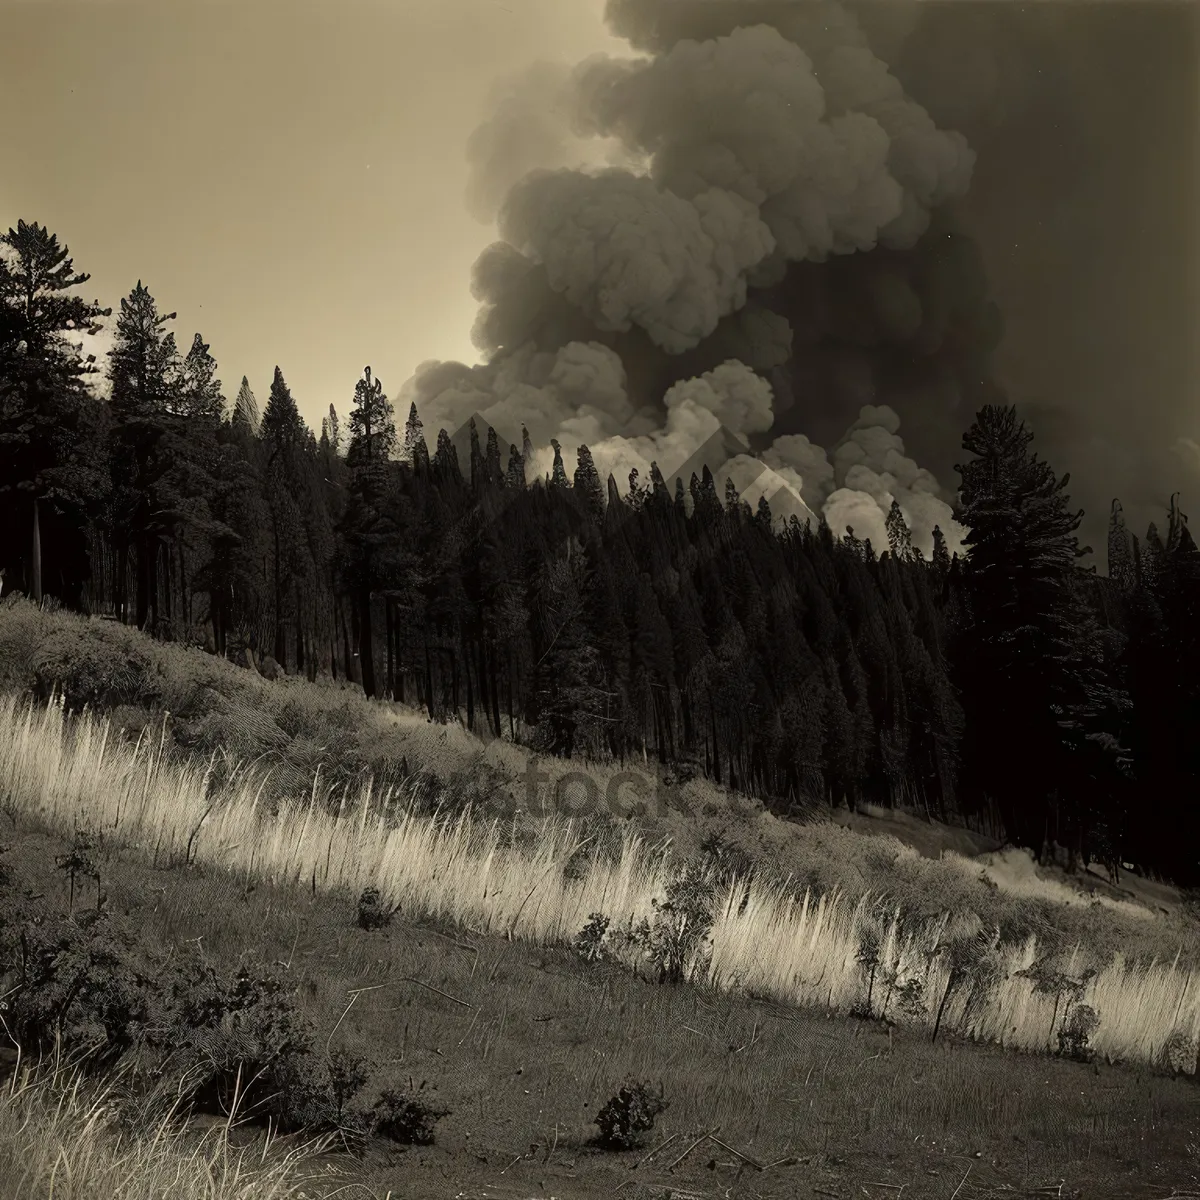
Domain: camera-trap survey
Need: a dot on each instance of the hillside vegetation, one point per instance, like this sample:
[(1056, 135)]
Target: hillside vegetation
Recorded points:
[(800, 662), (501, 918), (519, 1046), (301, 735), (541, 880)]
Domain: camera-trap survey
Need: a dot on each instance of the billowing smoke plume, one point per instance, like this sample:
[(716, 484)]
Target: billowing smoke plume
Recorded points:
[(626, 252), (1083, 201), (717, 250), (531, 127), (869, 462)]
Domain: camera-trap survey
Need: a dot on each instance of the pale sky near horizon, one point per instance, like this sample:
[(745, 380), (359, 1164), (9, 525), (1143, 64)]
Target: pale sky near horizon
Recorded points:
[(289, 177)]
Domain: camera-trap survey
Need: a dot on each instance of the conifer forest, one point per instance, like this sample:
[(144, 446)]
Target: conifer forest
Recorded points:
[(611, 618)]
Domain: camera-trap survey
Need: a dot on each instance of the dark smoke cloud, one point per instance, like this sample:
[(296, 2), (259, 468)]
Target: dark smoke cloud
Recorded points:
[(531, 127), (624, 251), (781, 197), (1084, 198)]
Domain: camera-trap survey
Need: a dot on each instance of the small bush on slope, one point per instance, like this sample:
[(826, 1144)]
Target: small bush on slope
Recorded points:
[(1180, 1052), (629, 1114), (1081, 1022), (673, 942), (88, 980), (372, 912), (589, 941), (681, 921), (406, 1118)]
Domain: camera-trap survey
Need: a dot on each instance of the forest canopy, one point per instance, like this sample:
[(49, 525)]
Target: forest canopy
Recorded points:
[(583, 616)]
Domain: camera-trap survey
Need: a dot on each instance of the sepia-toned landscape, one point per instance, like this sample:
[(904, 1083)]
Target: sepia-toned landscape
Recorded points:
[(736, 736)]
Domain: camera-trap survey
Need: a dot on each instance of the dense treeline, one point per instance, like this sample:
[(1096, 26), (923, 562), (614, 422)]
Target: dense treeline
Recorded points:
[(583, 618)]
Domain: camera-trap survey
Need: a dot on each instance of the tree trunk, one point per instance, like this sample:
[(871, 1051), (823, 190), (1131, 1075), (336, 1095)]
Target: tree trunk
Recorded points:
[(512, 729), (166, 576), (280, 632), (391, 656), (428, 679), (474, 657), (185, 598), (121, 579), (347, 646), (401, 661), (716, 751), (495, 692), (143, 583), (37, 554), (333, 632), (470, 693), (300, 631), (485, 699), (366, 644), (937, 1024)]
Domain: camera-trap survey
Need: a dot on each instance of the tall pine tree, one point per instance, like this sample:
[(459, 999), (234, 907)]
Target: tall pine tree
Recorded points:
[(587, 484), (52, 474), (415, 451), (1041, 710), (245, 409), (372, 440), (558, 477), (144, 371), (283, 434)]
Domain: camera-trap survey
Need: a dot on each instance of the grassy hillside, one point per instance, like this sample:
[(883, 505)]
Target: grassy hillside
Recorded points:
[(58, 1138), (330, 737), (534, 962), (524, 1044), (765, 936)]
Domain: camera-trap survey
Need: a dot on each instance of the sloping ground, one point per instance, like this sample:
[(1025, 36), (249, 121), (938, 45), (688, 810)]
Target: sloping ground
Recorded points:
[(689, 813), (1014, 870), (810, 946), (298, 729), (925, 835), (525, 1044)]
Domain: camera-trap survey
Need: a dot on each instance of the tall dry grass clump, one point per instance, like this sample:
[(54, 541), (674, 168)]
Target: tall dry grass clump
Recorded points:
[(763, 937), (66, 1137)]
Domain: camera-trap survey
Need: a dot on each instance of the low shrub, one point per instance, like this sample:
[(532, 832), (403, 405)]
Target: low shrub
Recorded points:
[(372, 912), (1080, 1023), (406, 1118), (681, 922), (1067, 990), (629, 1114), (589, 941), (77, 979), (1180, 1052), (81, 663), (727, 860), (88, 980), (673, 942)]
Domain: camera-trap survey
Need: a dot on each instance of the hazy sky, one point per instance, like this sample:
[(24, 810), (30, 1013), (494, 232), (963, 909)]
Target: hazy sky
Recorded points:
[(1086, 203), (289, 177)]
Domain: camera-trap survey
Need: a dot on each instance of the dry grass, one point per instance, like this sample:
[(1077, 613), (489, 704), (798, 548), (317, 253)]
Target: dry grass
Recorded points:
[(72, 1138), (547, 1038), (767, 940), (294, 728)]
